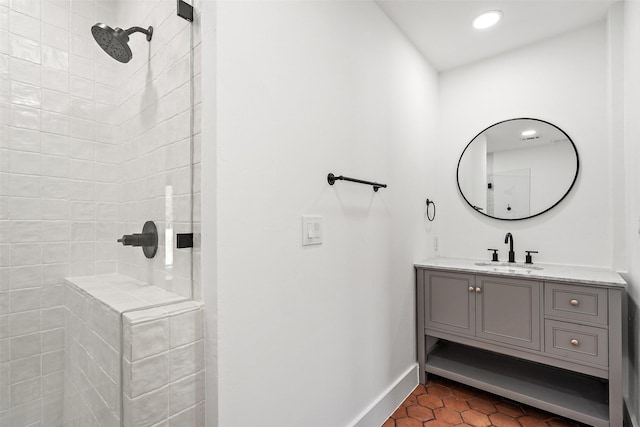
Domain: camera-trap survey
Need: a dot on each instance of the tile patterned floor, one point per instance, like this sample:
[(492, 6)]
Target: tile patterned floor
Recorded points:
[(445, 403)]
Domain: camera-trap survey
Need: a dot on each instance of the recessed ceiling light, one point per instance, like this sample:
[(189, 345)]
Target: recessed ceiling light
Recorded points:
[(487, 20), (529, 132)]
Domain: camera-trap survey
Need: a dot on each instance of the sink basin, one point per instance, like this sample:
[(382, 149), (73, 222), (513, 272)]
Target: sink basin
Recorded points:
[(509, 267)]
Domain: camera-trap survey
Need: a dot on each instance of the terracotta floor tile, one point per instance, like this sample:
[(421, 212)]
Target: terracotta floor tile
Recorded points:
[(455, 403), (438, 390), (420, 413), (511, 409), (481, 404), (502, 420), (464, 392), (421, 389), (475, 418), (408, 422), (389, 423), (399, 413), (411, 400), (436, 423), (447, 415), (446, 401), (528, 421), (430, 401)]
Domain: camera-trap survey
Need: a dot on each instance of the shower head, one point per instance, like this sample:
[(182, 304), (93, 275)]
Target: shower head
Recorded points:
[(116, 42)]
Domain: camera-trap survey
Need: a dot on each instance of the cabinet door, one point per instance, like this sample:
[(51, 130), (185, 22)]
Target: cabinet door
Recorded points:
[(450, 302), (508, 311)]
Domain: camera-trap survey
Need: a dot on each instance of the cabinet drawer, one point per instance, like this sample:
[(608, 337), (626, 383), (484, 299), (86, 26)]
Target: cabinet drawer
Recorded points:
[(577, 342), (581, 303)]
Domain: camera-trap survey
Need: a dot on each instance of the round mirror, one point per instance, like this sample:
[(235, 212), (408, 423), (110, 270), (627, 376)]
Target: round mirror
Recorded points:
[(517, 169)]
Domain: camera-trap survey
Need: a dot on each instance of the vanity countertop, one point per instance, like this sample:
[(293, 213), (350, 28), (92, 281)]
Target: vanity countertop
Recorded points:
[(552, 272)]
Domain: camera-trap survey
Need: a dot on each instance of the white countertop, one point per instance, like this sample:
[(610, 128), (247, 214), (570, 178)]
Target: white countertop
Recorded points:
[(557, 273)]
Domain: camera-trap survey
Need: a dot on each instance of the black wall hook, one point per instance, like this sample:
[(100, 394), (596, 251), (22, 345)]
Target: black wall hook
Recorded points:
[(431, 202)]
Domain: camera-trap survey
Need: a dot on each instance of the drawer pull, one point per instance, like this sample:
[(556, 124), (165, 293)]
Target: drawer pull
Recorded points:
[(575, 302), (471, 289), (478, 289), (574, 342)]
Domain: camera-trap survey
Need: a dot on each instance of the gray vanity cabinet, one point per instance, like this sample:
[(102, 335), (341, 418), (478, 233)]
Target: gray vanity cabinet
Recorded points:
[(498, 309), (550, 343)]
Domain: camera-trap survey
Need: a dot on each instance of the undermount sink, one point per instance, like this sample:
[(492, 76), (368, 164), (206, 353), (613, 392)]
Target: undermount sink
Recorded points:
[(509, 267)]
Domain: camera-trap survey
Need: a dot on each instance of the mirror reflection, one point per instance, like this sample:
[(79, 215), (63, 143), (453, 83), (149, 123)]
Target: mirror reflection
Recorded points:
[(517, 169)]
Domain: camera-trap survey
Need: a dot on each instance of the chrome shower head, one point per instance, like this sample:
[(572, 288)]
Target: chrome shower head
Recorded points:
[(116, 42)]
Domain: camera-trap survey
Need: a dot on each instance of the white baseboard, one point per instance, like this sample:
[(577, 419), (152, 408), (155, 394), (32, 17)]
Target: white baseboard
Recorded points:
[(629, 417), (388, 401)]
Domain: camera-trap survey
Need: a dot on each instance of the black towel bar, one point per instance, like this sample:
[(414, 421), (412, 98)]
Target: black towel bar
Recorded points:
[(331, 179)]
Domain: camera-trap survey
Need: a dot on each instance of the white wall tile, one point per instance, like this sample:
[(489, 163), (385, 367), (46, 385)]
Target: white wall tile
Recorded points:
[(54, 253), (24, 299), (149, 338), (55, 123), (24, 323), (55, 101), (26, 254), (25, 231), (25, 117), (25, 185), (54, 58), (24, 71), (55, 36), (25, 369), (55, 79), (25, 346), (186, 393), (24, 25), (55, 15), (150, 408), (23, 48), (28, 7), (24, 139)]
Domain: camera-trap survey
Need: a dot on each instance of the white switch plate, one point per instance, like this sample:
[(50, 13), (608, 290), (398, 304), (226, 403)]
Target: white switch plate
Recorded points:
[(311, 230)]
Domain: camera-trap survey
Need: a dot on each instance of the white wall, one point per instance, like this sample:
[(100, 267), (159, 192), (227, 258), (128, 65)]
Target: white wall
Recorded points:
[(563, 81), (312, 334), (632, 153)]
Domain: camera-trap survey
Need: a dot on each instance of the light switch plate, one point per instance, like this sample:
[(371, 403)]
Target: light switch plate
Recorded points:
[(311, 230)]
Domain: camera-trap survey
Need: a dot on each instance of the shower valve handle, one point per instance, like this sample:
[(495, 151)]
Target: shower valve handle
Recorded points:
[(148, 239), (137, 239)]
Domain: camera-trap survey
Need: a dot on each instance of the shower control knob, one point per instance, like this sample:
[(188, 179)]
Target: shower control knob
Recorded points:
[(148, 239)]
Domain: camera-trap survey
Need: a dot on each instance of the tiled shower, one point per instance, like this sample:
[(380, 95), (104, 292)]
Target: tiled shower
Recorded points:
[(90, 149)]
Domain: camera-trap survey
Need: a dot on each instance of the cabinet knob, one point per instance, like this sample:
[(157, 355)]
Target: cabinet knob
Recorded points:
[(471, 289), (575, 302), (574, 343), (478, 289)]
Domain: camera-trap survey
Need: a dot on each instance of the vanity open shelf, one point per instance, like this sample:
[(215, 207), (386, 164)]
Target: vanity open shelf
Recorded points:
[(549, 337), (581, 397)]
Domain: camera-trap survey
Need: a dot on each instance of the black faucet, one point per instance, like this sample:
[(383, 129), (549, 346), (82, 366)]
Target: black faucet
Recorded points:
[(509, 239)]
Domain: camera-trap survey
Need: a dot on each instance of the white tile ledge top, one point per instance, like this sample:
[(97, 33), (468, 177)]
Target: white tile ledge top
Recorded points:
[(550, 272), (123, 293)]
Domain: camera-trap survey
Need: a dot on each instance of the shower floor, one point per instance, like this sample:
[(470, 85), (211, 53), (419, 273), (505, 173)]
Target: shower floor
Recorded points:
[(447, 403)]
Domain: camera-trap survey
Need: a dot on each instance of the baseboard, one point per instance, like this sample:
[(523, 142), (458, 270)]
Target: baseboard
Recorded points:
[(388, 401), (630, 419)]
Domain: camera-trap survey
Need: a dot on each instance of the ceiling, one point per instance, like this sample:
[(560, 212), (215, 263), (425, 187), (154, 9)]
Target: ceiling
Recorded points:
[(442, 31)]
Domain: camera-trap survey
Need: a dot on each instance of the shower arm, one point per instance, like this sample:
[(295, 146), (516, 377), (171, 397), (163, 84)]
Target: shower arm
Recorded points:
[(148, 32)]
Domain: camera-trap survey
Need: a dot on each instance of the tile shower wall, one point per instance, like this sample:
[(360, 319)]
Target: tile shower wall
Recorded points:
[(67, 123), (58, 189), (155, 119), (160, 351), (164, 366)]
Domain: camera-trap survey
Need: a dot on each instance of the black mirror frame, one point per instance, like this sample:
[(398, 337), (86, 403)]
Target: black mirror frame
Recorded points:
[(575, 178)]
